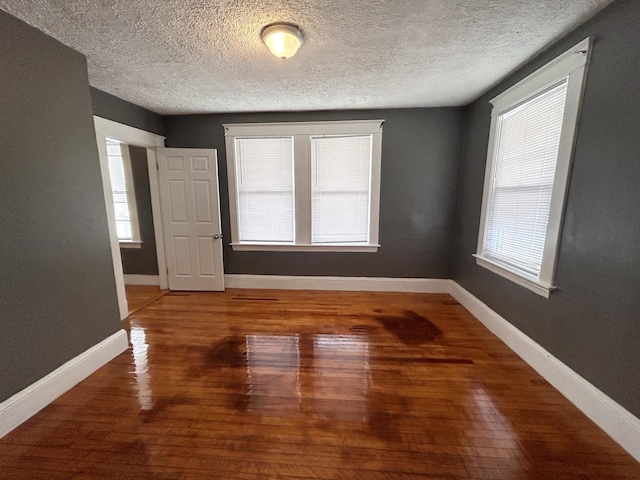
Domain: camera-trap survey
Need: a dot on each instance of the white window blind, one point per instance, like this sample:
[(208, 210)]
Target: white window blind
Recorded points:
[(119, 190), (265, 190), (528, 139), (340, 184)]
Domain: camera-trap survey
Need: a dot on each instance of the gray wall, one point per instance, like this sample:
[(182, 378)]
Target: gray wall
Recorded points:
[(591, 323), (421, 151), (57, 289), (144, 260), (113, 108)]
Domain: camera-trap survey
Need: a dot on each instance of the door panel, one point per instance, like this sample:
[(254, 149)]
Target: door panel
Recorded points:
[(206, 253), (178, 201), (183, 256), (202, 189), (191, 218)]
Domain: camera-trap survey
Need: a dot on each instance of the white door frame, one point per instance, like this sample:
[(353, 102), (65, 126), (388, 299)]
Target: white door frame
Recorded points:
[(139, 138)]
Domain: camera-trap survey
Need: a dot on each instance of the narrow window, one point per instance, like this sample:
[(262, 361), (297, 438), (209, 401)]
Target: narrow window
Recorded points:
[(123, 193)]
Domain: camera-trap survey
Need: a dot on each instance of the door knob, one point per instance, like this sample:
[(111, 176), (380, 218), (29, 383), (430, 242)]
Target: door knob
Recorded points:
[(216, 236)]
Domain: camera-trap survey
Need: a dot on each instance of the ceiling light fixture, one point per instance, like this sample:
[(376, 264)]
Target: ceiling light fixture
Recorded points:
[(283, 39)]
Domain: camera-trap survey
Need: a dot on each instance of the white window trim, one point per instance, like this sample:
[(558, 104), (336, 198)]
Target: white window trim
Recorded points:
[(572, 65), (301, 131), (131, 244), (309, 247)]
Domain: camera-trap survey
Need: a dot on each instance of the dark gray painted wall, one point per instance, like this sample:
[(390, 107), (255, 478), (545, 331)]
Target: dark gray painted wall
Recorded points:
[(144, 260), (421, 151), (592, 322), (57, 289), (113, 108)]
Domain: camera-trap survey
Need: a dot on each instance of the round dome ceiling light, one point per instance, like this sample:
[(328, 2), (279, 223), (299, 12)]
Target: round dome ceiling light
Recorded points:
[(283, 39)]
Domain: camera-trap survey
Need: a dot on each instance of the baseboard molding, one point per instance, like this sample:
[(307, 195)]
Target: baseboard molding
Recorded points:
[(354, 284), (26, 403), (142, 280), (615, 420)]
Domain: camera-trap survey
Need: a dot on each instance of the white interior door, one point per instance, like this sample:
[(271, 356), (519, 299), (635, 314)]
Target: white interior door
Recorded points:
[(190, 202)]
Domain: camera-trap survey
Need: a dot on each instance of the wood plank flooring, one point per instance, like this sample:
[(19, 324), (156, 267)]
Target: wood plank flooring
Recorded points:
[(250, 384), (140, 296)]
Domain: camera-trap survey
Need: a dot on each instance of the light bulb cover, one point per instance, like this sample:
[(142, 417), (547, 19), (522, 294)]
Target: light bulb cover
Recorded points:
[(282, 39)]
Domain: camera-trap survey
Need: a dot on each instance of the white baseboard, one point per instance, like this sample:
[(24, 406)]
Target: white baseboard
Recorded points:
[(354, 284), (26, 403), (619, 423), (142, 280)]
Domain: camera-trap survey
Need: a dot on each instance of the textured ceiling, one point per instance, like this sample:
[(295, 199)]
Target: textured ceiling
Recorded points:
[(195, 56)]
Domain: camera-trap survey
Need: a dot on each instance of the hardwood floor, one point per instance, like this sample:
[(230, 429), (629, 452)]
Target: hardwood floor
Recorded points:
[(140, 296), (284, 384)]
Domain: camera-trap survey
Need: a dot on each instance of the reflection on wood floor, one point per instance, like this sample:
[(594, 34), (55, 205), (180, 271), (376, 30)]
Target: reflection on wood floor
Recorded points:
[(285, 384), (140, 296)]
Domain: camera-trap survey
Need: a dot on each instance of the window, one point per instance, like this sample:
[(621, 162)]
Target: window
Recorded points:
[(304, 186), (340, 189), (531, 140), (124, 201), (265, 189)]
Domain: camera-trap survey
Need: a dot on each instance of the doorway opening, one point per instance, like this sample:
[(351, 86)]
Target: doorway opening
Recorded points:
[(109, 131), (184, 219)]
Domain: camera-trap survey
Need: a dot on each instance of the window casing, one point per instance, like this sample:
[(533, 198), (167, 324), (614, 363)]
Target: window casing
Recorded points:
[(533, 126), (124, 200), (312, 186)]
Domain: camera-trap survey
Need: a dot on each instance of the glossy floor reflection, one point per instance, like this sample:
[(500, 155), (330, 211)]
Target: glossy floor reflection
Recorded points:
[(273, 375), (274, 384)]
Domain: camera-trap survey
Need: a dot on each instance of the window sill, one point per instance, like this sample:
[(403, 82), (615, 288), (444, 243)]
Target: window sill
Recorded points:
[(282, 247), (130, 244), (535, 286)]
